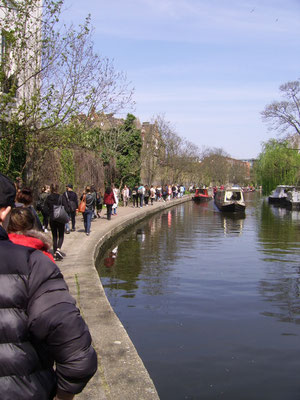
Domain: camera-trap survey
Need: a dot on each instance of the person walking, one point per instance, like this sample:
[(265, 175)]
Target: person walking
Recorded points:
[(40, 206), (21, 230), (125, 195), (24, 198), (141, 193), (109, 200), (152, 194), (116, 194), (90, 198), (40, 323), (57, 228), (135, 196), (147, 195), (72, 200), (99, 202)]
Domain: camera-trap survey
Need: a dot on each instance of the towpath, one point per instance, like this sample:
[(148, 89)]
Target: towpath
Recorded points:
[(121, 373)]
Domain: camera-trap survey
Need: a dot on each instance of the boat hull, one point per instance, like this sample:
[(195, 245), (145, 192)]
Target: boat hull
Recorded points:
[(200, 199), (231, 208)]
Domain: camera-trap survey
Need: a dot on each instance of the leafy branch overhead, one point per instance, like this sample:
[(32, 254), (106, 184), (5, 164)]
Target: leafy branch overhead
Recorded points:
[(50, 73), (284, 115)]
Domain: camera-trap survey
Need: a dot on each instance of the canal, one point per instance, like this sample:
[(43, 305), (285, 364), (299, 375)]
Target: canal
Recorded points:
[(211, 302)]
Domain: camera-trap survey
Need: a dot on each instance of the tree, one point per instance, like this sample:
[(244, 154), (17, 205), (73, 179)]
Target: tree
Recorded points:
[(214, 167), (49, 74), (117, 142), (284, 115), (178, 158), (277, 164)]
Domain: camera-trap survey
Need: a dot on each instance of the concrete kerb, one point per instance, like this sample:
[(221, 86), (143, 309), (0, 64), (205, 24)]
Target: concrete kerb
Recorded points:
[(121, 373)]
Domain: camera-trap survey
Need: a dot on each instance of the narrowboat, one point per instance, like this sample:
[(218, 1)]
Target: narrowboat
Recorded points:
[(202, 195), (279, 195), (230, 200)]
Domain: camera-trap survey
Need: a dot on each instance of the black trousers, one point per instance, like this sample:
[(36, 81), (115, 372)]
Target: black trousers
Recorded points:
[(58, 231)]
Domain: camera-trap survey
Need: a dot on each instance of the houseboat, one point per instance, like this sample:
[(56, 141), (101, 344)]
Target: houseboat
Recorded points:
[(230, 200), (279, 195), (292, 200), (202, 195)]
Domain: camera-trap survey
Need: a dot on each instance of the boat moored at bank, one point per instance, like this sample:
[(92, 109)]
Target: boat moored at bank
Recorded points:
[(279, 195), (292, 200)]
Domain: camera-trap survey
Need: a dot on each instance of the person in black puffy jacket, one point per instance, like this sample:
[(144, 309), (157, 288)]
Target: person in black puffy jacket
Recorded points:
[(40, 325)]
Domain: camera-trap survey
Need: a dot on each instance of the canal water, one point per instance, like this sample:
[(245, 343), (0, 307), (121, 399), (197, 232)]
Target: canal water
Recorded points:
[(211, 302)]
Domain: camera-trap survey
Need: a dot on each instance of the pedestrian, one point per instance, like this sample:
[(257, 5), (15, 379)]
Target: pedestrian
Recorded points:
[(147, 195), (40, 324), (40, 206), (90, 198), (169, 192), (99, 202), (21, 230), (164, 192), (116, 194), (72, 200), (57, 228), (135, 196), (158, 193), (152, 194), (109, 200), (141, 193), (125, 195), (94, 192), (24, 198)]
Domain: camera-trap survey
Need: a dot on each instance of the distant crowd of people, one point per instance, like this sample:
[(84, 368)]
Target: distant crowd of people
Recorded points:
[(57, 211)]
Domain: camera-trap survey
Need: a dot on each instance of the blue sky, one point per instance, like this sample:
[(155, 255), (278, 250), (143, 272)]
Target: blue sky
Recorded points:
[(210, 66)]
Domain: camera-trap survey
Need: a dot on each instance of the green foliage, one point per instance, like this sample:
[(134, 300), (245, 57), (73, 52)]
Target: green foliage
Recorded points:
[(128, 159), (67, 167), (12, 149), (278, 164)]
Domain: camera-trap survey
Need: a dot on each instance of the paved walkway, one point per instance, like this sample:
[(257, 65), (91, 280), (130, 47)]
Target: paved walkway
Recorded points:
[(121, 373)]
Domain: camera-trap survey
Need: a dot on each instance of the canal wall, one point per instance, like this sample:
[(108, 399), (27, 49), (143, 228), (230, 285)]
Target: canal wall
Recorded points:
[(121, 374)]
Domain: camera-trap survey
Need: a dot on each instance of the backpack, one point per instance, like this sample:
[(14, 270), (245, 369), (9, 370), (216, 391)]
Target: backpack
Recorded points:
[(71, 203), (98, 200)]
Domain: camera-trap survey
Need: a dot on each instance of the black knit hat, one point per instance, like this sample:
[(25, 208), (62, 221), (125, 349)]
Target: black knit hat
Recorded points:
[(7, 191), (70, 186)]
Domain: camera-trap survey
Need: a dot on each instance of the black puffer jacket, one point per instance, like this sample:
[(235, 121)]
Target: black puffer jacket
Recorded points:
[(39, 325)]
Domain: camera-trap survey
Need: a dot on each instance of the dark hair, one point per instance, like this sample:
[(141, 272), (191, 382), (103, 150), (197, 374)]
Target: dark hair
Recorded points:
[(88, 189), (21, 219), (54, 188), (108, 190), (24, 196)]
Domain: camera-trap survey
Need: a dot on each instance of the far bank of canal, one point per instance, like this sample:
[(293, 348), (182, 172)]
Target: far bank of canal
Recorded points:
[(121, 374), (211, 301)]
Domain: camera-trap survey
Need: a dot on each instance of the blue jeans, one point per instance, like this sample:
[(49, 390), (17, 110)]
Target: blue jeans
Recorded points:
[(141, 196), (87, 219)]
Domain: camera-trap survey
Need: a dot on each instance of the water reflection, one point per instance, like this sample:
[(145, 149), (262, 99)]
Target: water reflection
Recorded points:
[(279, 237), (233, 224), (212, 302)]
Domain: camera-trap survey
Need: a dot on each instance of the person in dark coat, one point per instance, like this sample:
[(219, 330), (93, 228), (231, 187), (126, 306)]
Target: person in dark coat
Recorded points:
[(40, 325), (72, 200), (24, 198), (135, 196), (57, 228)]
